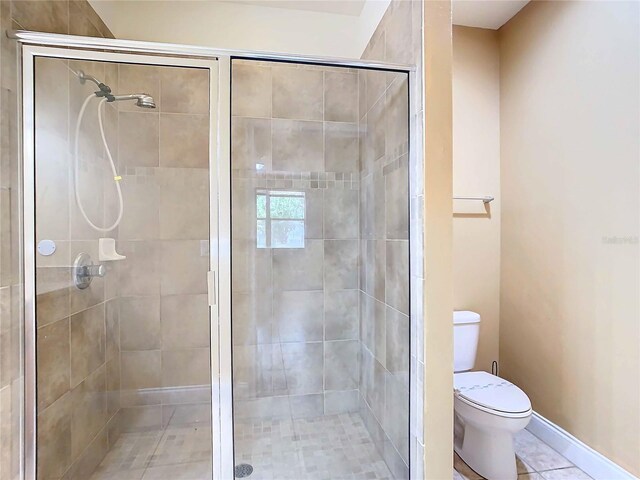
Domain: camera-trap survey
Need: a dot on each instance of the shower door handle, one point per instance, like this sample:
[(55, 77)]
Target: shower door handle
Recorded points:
[(212, 290)]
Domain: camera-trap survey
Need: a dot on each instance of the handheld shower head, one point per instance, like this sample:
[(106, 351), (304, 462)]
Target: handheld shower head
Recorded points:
[(143, 100), (146, 101)]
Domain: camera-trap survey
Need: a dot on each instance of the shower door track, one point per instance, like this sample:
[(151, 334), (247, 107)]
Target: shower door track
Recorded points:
[(35, 44)]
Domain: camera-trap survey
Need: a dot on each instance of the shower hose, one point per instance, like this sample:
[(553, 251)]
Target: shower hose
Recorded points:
[(76, 176)]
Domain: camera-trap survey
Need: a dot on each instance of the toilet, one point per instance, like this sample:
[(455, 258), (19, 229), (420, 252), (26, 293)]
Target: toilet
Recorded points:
[(488, 409)]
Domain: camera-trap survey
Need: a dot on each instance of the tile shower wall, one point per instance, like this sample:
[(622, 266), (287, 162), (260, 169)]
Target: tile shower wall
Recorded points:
[(384, 272), (391, 186), (295, 310), (72, 17), (164, 314)]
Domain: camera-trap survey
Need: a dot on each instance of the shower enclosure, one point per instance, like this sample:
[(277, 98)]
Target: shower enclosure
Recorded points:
[(216, 264)]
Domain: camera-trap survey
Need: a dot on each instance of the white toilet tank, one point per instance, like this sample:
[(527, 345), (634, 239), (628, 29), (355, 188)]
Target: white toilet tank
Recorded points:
[(466, 330)]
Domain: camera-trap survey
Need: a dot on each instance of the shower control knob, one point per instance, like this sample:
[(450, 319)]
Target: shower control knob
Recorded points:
[(95, 270), (84, 270)]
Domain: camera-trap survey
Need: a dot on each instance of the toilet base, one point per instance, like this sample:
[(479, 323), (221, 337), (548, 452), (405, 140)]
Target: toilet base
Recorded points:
[(489, 453)]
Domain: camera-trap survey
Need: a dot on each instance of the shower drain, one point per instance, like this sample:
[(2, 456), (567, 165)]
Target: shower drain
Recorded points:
[(243, 470)]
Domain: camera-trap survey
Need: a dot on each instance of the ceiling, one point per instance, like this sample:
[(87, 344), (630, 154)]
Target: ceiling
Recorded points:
[(490, 14), (340, 7)]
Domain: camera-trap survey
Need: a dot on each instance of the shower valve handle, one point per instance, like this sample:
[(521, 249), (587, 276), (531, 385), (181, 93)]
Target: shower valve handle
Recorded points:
[(94, 270), (84, 270)]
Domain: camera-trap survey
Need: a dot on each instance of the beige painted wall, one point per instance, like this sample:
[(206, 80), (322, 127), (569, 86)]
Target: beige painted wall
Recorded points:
[(570, 329), (476, 172), (225, 24), (438, 301)]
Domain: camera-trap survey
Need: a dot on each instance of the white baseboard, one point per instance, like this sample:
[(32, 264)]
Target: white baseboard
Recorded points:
[(582, 456)]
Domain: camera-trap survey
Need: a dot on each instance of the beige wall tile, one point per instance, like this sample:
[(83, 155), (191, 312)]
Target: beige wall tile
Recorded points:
[(54, 438), (397, 201), (259, 371), (297, 93), (185, 321), (298, 316), (252, 268), (89, 410), (374, 141), (341, 315), (139, 79), (341, 147), (87, 343), (396, 413), (54, 360), (397, 115), (397, 273), (53, 159), (112, 328), (140, 323), (341, 214), (184, 140), (252, 314), (183, 267), (301, 361), (313, 214), (90, 458), (243, 206), (397, 340), (251, 92), (250, 143), (297, 146), (140, 272), (138, 139), (47, 17), (140, 218), (186, 367), (299, 269), (341, 368), (184, 90), (140, 369), (184, 203), (340, 96), (79, 24), (373, 327), (113, 386), (341, 264), (52, 306)]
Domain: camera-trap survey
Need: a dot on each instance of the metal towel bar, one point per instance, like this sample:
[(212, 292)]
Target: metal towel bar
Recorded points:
[(483, 199)]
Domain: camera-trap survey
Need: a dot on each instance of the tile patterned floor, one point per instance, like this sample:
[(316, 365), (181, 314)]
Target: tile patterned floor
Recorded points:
[(535, 461), (333, 447), (175, 453), (336, 447)]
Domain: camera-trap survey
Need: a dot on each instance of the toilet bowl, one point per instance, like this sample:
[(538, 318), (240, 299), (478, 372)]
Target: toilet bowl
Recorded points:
[(489, 411)]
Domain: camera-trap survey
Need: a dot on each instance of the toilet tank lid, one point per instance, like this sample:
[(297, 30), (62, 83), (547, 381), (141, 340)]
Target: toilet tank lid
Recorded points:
[(465, 316)]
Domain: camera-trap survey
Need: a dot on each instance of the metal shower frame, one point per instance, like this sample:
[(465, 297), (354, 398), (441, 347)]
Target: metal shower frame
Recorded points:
[(218, 62)]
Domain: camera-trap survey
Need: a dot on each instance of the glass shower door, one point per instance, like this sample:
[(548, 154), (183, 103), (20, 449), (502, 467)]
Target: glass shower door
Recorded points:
[(122, 237), (320, 271)]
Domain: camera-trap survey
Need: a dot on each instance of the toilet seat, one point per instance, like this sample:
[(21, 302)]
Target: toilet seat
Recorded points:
[(491, 394)]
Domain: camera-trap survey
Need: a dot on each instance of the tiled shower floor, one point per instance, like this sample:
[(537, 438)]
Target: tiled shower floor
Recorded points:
[(325, 448), (174, 453), (322, 448)]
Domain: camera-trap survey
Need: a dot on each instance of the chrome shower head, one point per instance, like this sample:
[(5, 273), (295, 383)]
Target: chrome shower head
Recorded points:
[(143, 100)]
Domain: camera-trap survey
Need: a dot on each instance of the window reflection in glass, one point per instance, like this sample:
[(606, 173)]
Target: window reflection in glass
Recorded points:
[(280, 219)]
